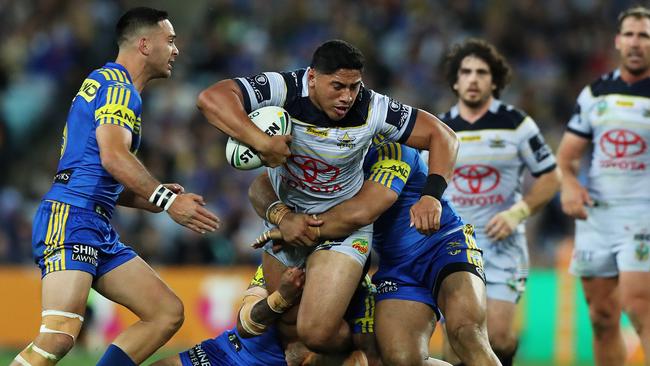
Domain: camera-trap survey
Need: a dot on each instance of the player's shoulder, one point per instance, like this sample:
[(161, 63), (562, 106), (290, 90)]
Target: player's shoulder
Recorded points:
[(605, 84), (507, 116)]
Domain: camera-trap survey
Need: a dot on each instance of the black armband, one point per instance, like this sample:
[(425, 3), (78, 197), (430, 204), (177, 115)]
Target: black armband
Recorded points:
[(435, 186)]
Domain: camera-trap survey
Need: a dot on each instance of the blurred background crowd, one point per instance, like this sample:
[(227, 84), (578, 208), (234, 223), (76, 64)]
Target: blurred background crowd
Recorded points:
[(49, 46)]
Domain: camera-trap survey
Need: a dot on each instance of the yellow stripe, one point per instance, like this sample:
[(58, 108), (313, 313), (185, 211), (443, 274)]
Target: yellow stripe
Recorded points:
[(126, 78), (120, 101), (49, 225), (62, 240), (48, 237), (393, 153), (119, 74), (399, 152), (113, 74), (105, 74), (384, 179)]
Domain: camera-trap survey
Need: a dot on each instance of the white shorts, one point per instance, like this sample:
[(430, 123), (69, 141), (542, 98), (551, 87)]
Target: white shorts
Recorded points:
[(613, 239), (357, 245), (506, 265)]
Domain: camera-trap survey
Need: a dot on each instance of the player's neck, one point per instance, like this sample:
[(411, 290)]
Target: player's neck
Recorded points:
[(472, 114), (630, 78), (136, 70)]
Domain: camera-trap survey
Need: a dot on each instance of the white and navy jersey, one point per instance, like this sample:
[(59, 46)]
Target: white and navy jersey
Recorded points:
[(494, 150), (615, 116), (325, 166)]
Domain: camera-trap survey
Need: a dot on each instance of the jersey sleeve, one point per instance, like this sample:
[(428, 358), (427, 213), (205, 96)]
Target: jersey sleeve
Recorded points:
[(579, 123), (117, 104), (533, 150), (389, 164), (261, 90), (396, 120)]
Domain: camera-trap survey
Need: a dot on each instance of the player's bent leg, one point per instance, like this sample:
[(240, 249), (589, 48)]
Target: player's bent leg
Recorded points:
[(403, 329), (462, 300), (331, 279), (500, 322), (64, 296), (635, 299), (448, 352), (603, 299), (157, 323)]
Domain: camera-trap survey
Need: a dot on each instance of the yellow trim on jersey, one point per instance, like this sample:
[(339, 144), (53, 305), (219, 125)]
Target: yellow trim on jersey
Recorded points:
[(116, 111)]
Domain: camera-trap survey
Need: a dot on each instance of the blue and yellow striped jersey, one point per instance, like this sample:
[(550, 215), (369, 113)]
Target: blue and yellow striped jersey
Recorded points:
[(107, 96), (401, 169)]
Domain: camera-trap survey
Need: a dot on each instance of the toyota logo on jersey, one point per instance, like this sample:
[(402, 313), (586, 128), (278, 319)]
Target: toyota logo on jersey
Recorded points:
[(620, 143), (476, 178), (311, 173)]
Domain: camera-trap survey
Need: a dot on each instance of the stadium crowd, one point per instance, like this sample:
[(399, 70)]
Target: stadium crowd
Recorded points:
[(555, 48)]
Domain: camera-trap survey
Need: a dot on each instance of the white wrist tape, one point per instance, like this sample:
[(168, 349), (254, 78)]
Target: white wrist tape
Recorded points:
[(162, 197)]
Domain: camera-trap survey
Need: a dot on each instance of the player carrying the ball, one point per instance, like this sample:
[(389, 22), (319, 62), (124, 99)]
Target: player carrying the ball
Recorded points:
[(334, 120)]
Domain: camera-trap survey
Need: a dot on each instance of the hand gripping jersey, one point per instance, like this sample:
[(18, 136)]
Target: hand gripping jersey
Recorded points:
[(107, 96), (325, 167), (615, 116), (493, 153)]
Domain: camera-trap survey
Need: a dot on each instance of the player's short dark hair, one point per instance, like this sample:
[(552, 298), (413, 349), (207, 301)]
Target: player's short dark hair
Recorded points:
[(135, 19), (637, 12), (335, 55), (499, 68)]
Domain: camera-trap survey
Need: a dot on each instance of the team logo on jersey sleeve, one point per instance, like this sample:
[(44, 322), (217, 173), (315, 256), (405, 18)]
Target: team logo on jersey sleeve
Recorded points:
[(475, 182), (622, 146), (260, 85), (397, 113)]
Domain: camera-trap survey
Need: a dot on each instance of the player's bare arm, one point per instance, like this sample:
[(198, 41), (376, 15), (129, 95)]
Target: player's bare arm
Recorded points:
[(222, 104), (431, 134), (186, 209), (260, 310), (341, 220), (574, 196), (541, 192), (128, 198)]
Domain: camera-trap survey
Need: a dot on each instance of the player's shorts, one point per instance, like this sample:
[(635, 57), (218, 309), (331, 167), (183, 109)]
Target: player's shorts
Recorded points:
[(361, 311), (66, 237), (506, 265), (418, 277), (613, 239), (229, 349), (357, 246)]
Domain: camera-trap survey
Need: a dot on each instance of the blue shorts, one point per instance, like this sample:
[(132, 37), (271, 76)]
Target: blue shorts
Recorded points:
[(229, 349), (418, 277), (66, 237)]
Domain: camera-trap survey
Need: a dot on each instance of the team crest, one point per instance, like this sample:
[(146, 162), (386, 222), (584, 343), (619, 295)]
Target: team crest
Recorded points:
[(346, 141), (361, 245), (497, 143)]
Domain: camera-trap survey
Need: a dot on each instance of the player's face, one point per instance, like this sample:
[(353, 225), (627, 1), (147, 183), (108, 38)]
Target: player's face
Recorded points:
[(633, 44), (474, 84), (164, 51), (334, 93)]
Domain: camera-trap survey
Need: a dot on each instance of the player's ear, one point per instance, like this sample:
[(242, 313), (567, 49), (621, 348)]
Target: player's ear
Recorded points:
[(311, 77), (144, 46)]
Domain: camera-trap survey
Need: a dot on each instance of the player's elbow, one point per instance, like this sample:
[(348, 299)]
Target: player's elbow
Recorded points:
[(207, 100), (110, 160)]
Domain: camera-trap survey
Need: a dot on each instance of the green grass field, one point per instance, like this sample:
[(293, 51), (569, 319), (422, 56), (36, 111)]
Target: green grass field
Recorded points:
[(82, 358)]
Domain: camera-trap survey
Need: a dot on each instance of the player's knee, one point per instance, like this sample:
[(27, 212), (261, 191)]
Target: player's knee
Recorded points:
[(172, 315), (321, 337), (638, 310), (503, 341), (468, 335), (604, 320), (47, 349)]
